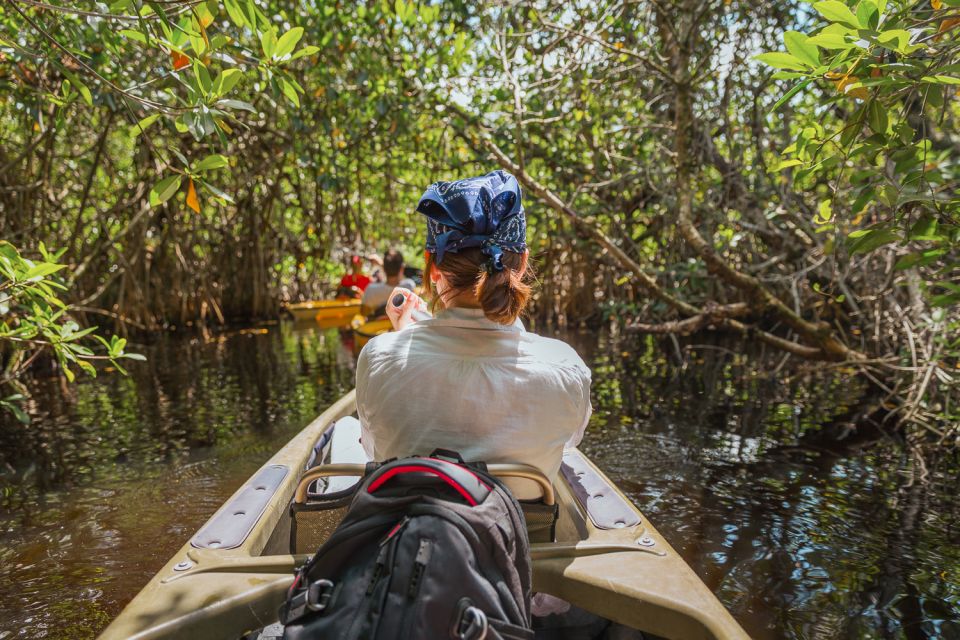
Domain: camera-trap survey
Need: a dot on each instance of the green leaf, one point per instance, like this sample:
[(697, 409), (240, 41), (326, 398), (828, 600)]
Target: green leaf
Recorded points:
[(87, 368), (867, 14), (133, 35), (865, 197), (933, 94), (237, 104), (287, 42), (41, 270), (945, 300), (164, 190), (877, 117), (252, 13), (214, 161), (203, 77), (290, 91), (12, 404), (117, 344), (78, 84), (836, 11), (158, 9), (939, 79), (218, 192), (919, 259), (824, 213), (895, 39), (785, 164), (141, 126), (201, 124), (235, 13), (831, 40), (76, 335), (789, 94), (305, 51), (799, 45), (226, 80), (781, 60), (870, 239), (268, 42), (924, 229)]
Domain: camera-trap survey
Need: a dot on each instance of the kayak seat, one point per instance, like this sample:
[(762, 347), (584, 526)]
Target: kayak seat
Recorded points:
[(315, 515), (541, 520), (333, 470), (326, 497), (315, 519)]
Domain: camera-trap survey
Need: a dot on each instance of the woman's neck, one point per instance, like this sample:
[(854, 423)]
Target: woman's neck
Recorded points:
[(465, 300)]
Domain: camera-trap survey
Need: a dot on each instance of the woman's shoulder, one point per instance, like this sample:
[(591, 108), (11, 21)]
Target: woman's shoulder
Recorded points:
[(392, 346), (553, 351), (419, 343), (383, 344)]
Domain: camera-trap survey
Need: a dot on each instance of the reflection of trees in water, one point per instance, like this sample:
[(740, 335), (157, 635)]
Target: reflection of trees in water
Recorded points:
[(800, 534), (191, 394), (804, 524)]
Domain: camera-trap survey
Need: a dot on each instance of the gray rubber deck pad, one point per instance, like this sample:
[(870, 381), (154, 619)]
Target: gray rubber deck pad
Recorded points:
[(230, 526), (606, 508)]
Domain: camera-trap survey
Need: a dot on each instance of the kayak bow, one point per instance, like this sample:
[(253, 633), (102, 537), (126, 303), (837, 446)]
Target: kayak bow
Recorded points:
[(364, 329), (233, 575), (331, 313)]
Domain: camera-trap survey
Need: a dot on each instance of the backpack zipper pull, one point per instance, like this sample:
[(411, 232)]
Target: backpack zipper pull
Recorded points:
[(378, 569), (419, 565)]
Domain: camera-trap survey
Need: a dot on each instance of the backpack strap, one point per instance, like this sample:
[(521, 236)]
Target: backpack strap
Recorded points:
[(453, 456), (448, 454), (463, 480)]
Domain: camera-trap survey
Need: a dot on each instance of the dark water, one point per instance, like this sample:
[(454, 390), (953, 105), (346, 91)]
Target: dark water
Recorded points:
[(801, 538)]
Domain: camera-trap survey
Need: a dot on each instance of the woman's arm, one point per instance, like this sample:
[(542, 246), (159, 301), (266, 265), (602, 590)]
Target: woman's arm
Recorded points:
[(587, 410), (403, 316), (363, 377)]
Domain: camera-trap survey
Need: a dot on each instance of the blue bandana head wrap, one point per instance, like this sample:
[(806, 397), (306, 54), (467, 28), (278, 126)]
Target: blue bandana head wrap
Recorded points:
[(480, 212)]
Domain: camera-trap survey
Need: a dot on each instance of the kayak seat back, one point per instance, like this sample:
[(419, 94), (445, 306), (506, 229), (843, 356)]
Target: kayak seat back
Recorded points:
[(541, 520), (314, 521), (330, 477)]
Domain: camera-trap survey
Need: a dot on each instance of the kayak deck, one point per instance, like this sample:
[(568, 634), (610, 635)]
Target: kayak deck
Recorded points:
[(607, 559), (364, 330), (332, 313)]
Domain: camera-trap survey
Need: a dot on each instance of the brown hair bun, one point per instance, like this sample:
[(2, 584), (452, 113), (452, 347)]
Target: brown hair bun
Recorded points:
[(503, 295)]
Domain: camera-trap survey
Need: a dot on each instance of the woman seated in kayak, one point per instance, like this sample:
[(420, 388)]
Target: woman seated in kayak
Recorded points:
[(472, 379)]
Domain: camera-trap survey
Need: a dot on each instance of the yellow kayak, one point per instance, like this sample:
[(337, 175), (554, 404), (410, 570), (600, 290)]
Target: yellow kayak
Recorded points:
[(602, 554), (329, 313), (364, 329)]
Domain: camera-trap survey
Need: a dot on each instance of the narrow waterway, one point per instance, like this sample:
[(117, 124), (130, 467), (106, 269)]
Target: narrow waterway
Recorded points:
[(800, 538)]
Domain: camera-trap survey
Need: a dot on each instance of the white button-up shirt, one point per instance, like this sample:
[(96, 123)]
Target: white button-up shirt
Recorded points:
[(459, 381)]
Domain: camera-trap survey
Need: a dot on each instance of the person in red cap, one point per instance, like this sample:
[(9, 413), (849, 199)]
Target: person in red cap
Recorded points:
[(356, 277)]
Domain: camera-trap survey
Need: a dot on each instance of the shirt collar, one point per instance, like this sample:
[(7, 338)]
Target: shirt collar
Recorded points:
[(471, 318)]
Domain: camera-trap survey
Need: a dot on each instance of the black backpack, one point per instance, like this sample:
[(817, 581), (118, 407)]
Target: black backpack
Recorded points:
[(429, 548)]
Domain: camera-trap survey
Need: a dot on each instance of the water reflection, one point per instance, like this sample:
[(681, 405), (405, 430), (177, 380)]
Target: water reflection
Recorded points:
[(111, 478), (799, 537)]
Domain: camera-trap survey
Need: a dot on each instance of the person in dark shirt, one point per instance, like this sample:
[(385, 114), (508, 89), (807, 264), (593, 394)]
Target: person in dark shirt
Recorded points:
[(376, 295)]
